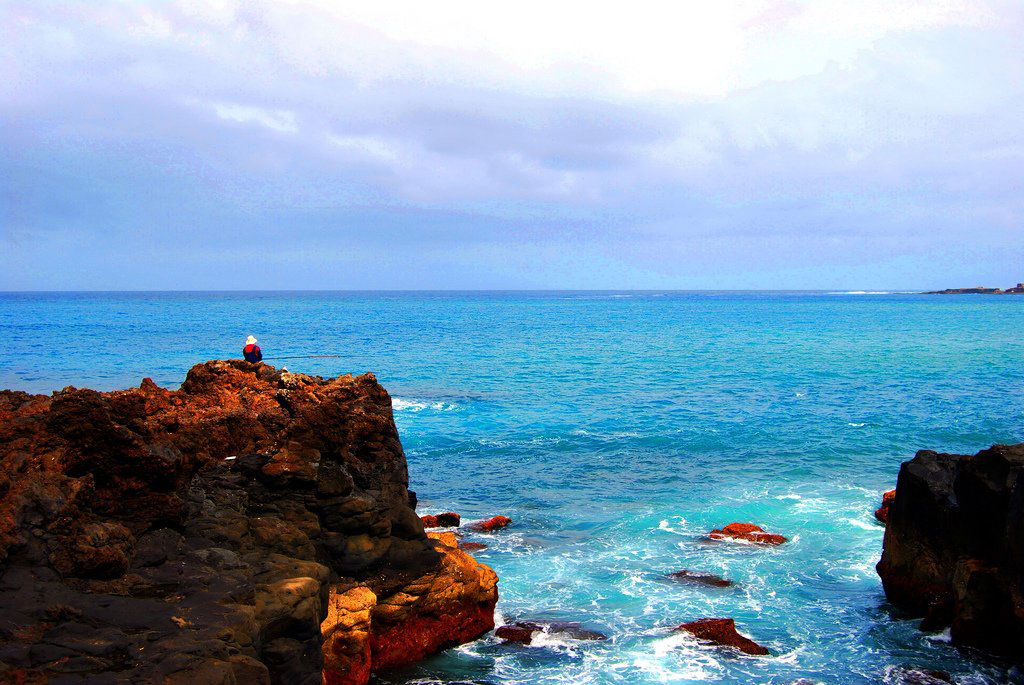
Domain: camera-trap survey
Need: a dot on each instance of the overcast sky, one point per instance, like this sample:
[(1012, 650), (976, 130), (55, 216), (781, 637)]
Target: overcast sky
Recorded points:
[(714, 144)]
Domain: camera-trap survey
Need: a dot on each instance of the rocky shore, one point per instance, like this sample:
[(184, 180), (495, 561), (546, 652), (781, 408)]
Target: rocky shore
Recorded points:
[(254, 526), (954, 546)]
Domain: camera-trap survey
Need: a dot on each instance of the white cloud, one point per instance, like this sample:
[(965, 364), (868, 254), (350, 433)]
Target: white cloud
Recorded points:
[(279, 120)]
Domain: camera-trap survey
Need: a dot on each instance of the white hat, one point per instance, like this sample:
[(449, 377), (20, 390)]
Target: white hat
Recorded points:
[(250, 340)]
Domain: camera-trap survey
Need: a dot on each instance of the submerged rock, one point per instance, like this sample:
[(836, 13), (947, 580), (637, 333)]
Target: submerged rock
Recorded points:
[(748, 532), (472, 546), (252, 527), (954, 546), (882, 513), (448, 519), (699, 578), (722, 632), (524, 631), (491, 524)]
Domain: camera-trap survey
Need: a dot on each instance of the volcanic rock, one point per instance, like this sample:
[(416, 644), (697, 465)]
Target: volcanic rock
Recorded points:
[(700, 578), (748, 532), (448, 519), (491, 524), (954, 546), (882, 513), (524, 631), (722, 632), (254, 526), (472, 546)]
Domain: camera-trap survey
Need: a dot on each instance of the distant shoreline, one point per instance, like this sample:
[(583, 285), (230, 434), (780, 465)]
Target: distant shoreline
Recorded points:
[(979, 290)]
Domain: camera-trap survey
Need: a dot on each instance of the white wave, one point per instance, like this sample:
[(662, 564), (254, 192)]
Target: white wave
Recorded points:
[(863, 525), (788, 497), (400, 404), (944, 636), (856, 425)]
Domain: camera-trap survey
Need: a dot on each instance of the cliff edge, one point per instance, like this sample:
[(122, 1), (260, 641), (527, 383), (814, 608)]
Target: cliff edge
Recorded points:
[(254, 526), (954, 546)]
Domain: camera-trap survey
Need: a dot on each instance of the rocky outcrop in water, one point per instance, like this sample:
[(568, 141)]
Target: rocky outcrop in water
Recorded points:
[(746, 532), (721, 632), (254, 526), (492, 524), (700, 578), (524, 632), (447, 519), (954, 546), (979, 290)]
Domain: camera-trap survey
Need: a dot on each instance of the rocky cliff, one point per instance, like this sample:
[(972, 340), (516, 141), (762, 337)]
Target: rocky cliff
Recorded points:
[(254, 526), (954, 546)]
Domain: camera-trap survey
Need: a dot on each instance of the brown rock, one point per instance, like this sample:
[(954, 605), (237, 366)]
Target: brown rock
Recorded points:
[(448, 519), (722, 632), (491, 524), (472, 546), (748, 532), (253, 526), (882, 513)]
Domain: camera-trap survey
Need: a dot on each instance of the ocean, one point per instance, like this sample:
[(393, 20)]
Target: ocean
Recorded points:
[(616, 429)]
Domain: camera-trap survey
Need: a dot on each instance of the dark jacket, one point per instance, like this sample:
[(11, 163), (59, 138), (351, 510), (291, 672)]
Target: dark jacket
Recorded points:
[(252, 353)]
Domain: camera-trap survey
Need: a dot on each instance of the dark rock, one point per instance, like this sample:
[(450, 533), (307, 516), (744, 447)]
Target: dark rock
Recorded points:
[(722, 632), (254, 526), (699, 578), (918, 676), (747, 532), (954, 546), (491, 524), (524, 631)]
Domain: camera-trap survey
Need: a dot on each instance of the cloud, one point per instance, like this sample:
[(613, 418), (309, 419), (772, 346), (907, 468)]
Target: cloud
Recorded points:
[(650, 143)]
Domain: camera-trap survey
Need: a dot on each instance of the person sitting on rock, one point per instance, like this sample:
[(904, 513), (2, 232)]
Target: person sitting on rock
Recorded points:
[(251, 351)]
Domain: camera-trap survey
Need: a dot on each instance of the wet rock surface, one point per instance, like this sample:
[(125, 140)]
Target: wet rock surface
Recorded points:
[(491, 524), (699, 578), (254, 526), (448, 519), (525, 632), (721, 632), (954, 546), (747, 532)]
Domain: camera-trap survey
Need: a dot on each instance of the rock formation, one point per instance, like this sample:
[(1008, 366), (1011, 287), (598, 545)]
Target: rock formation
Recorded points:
[(882, 512), (722, 633), (448, 519), (747, 532), (524, 631), (254, 526), (954, 546), (491, 524), (700, 578)]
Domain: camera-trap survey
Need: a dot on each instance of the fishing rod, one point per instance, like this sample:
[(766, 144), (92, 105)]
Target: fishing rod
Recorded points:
[(306, 356)]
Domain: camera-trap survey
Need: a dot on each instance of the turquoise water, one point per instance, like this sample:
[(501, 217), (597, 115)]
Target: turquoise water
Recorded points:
[(616, 429)]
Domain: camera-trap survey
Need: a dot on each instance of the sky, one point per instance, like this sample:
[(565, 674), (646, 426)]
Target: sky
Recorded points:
[(748, 144)]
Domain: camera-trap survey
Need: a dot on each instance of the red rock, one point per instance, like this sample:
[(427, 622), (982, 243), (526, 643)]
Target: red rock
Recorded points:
[(722, 632), (699, 578), (448, 519), (471, 546), (882, 513), (491, 524), (748, 532)]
